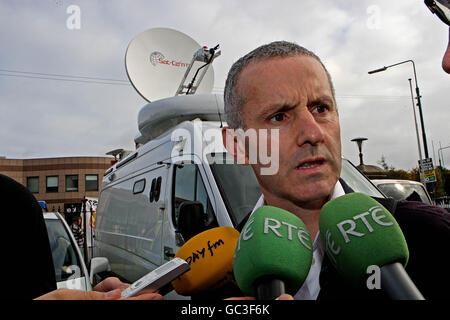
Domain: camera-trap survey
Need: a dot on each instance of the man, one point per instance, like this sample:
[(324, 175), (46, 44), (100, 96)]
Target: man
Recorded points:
[(282, 86), (77, 231), (446, 58), (442, 9)]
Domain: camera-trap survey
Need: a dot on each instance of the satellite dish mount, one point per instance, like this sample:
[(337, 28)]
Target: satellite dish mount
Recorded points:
[(202, 55)]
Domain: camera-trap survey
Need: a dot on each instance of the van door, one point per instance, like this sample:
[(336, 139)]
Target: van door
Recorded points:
[(188, 184)]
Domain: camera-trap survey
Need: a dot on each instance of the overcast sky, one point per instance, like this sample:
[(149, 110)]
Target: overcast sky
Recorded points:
[(48, 118)]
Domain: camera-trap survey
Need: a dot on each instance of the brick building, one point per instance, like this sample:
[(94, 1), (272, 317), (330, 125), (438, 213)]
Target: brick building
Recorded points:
[(61, 182)]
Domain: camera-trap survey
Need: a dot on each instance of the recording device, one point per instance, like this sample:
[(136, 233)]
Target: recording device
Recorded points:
[(358, 233), (210, 256), (158, 278), (273, 255)]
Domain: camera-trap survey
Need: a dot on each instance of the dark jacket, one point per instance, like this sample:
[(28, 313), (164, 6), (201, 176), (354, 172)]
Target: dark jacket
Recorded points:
[(427, 232), (26, 257)]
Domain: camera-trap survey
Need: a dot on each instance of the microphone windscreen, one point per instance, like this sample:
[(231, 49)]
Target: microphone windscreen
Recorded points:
[(210, 256), (359, 232), (274, 243)]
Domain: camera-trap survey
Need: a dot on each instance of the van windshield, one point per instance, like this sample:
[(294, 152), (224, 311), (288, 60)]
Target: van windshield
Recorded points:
[(357, 181), (237, 184), (240, 190)]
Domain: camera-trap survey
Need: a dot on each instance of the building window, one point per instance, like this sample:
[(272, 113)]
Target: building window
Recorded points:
[(33, 184), (52, 184), (72, 182), (91, 182)]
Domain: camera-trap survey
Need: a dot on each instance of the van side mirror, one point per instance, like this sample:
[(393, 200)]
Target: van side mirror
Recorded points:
[(191, 219), (98, 264)]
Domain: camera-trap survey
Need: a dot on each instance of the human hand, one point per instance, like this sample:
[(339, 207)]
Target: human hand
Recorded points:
[(109, 284), (113, 283), (68, 294), (109, 289), (241, 298), (284, 296)]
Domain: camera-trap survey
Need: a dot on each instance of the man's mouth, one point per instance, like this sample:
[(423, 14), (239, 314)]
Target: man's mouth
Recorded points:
[(310, 164)]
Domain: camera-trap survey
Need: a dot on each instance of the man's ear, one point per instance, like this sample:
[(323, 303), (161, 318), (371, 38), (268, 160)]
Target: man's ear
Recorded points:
[(234, 145)]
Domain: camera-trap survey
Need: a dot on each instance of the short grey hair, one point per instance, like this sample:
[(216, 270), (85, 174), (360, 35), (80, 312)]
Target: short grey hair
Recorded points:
[(233, 102)]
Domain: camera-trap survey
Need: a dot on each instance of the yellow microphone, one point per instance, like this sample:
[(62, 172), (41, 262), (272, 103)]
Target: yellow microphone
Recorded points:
[(210, 256)]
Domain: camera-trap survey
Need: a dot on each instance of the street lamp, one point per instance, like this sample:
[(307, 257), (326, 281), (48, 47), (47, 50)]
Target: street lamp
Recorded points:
[(422, 174), (419, 104), (359, 142), (415, 120)]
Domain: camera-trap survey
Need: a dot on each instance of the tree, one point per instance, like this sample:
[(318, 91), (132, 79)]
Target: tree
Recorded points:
[(382, 162), (398, 174)]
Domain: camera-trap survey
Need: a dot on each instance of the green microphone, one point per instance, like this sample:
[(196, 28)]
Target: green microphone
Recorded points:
[(273, 254), (361, 235)]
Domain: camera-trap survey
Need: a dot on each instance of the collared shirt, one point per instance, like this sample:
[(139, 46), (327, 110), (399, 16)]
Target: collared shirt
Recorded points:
[(311, 287)]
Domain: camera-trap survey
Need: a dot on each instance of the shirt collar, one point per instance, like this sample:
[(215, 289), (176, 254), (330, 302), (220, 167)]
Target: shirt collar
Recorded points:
[(337, 192)]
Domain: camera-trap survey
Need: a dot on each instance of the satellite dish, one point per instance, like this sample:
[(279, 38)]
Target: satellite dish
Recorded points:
[(156, 62)]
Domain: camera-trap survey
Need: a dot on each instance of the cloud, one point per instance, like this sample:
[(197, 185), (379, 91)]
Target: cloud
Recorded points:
[(47, 118)]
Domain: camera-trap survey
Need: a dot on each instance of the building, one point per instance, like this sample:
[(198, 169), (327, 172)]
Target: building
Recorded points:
[(61, 182), (372, 172)]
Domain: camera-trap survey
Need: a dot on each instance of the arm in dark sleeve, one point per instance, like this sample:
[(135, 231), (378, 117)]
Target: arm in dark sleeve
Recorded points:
[(427, 233)]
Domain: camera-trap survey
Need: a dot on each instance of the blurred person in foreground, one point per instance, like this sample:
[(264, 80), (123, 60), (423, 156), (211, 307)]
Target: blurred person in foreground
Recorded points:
[(441, 8), (27, 259)]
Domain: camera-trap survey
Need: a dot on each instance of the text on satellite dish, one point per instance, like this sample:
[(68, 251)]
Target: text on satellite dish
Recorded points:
[(158, 58)]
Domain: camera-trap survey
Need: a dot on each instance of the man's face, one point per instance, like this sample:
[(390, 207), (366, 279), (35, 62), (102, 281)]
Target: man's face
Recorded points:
[(446, 58), (293, 94)]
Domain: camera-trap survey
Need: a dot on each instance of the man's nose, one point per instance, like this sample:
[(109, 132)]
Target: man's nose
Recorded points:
[(310, 131), (446, 58)]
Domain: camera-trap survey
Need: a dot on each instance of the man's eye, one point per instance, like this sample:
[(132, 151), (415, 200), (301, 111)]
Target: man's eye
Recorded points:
[(319, 109), (278, 117)]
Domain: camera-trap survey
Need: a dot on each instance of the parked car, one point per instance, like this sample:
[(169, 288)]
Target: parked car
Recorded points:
[(403, 190), (70, 269)]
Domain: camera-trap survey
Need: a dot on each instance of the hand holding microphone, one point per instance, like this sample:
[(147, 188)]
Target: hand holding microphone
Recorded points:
[(273, 255), (358, 233)]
